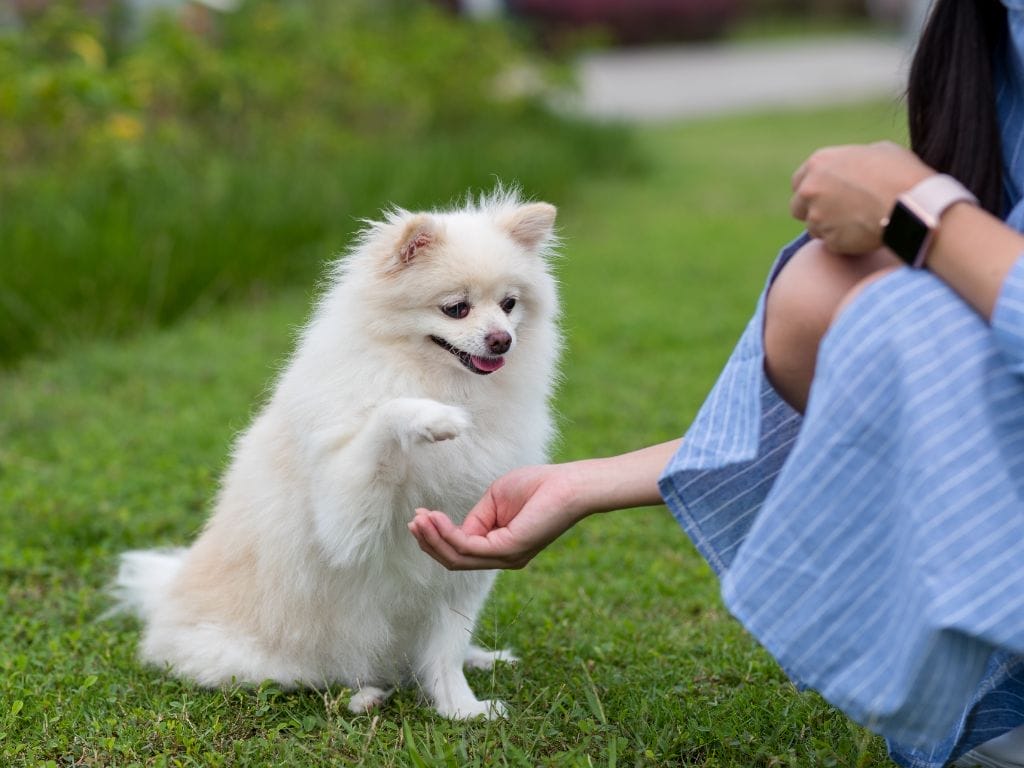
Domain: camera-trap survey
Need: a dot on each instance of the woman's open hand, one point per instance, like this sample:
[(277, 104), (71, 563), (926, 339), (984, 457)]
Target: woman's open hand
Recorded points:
[(524, 511), (520, 514)]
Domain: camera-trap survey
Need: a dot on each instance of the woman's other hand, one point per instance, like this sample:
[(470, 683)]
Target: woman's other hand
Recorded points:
[(844, 193)]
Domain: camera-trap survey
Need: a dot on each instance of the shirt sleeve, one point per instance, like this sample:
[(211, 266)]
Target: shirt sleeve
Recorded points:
[(1008, 318)]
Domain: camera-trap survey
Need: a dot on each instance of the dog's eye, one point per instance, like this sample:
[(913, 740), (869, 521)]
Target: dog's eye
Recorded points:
[(458, 310), (508, 304)]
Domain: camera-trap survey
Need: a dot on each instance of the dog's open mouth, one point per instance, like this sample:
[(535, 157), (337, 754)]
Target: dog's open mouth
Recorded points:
[(475, 363)]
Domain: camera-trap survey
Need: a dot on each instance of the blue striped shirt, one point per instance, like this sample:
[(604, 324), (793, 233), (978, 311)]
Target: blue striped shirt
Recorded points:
[(875, 545)]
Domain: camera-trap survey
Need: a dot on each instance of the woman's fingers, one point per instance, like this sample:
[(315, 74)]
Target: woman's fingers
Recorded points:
[(443, 541), (798, 207)]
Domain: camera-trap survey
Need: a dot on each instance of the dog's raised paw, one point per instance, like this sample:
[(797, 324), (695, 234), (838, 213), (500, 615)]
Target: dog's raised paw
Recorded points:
[(437, 422)]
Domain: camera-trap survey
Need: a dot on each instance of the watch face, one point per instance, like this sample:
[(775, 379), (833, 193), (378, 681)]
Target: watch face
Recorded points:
[(905, 233)]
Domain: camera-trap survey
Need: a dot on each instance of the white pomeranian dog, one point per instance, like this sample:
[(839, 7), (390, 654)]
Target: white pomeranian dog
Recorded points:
[(425, 373)]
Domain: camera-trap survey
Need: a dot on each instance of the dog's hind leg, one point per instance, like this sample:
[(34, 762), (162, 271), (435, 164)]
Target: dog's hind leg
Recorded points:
[(481, 658), (368, 698)]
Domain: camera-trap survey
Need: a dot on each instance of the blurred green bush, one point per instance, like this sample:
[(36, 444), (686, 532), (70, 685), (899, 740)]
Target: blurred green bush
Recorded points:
[(141, 181)]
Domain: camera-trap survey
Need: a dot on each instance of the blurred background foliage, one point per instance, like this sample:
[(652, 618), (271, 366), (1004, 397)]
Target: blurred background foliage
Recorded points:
[(148, 173), (158, 157)]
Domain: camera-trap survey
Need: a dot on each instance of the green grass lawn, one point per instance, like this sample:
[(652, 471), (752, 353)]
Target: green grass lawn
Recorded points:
[(628, 657)]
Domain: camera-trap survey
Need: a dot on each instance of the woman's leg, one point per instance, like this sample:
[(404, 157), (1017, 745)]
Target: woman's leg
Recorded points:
[(806, 296)]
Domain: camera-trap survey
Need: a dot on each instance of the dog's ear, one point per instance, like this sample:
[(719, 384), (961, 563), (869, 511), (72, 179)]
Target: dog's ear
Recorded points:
[(530, 225), (420, 234)]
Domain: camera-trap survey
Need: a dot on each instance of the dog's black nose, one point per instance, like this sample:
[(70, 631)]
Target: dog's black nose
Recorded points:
[(498, 342)]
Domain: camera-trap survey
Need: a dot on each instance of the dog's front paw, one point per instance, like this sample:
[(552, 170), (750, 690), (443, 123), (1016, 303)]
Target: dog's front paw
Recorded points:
[(436, 422)]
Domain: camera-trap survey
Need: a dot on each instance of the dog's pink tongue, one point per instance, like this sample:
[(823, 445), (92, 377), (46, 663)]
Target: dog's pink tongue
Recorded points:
[(489, 364)]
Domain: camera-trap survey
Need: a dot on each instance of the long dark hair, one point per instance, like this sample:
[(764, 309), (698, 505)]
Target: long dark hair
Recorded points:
[(951, 98)]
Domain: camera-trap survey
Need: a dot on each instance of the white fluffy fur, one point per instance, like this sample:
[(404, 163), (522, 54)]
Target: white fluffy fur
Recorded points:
[(305, 573)]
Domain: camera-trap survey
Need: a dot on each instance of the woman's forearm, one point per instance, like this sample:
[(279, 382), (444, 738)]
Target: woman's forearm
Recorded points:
[(973, 252), (528, 508), (620, 482)]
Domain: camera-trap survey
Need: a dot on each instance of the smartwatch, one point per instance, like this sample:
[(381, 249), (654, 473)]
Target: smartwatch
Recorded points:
[(908, 230)]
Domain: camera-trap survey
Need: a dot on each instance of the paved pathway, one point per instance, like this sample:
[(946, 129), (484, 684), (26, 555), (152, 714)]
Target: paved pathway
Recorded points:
[(652, 84)]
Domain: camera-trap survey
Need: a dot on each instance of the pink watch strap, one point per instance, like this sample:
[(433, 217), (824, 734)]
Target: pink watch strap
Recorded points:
[(929, 199)]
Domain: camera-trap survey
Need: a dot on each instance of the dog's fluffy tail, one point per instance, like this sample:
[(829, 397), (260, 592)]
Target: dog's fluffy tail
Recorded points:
[(143, 579)]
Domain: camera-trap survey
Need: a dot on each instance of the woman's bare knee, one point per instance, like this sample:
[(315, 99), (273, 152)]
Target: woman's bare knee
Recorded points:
[(801, 305)]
